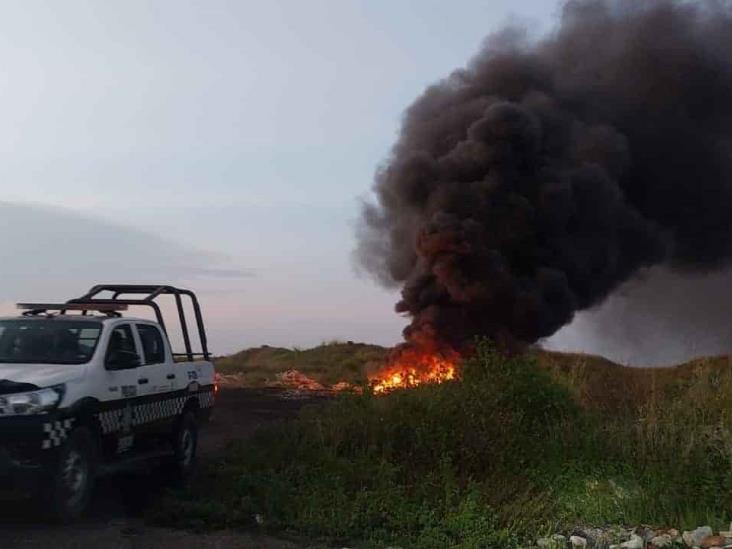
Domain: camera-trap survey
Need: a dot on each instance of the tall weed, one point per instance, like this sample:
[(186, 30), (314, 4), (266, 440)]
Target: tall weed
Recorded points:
[(509, 450)]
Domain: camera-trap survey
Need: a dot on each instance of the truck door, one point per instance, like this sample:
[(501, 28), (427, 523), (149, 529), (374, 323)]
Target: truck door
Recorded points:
[(157, 378), (119, 391)]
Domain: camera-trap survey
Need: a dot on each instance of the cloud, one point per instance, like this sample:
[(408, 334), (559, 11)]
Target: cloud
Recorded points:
[(50, 253)]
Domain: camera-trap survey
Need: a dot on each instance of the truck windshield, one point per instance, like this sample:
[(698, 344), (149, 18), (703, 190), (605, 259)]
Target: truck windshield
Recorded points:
[(48, 340)]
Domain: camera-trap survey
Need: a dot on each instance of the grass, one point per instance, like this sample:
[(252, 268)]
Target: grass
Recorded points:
[(328, 363), (519, 447)]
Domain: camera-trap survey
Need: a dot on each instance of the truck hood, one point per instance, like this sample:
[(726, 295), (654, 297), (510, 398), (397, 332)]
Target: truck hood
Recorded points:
[(40, 375)]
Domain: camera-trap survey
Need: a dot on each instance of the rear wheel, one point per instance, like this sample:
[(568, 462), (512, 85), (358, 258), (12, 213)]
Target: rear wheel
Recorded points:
[(72, 482), (185, 444)]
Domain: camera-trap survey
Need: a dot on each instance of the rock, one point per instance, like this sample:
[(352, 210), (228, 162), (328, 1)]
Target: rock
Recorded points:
[(577, 542), (673, 534), (595, 537), (635, 542), (693, 538), (712, 541), (604, 537), (664, 540), (646, 533)]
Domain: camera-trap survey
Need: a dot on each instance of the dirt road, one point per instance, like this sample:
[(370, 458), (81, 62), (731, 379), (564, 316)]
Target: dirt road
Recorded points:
[(115, 520)]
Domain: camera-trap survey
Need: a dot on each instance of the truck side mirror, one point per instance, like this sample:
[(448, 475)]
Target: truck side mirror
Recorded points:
[(122, 360)]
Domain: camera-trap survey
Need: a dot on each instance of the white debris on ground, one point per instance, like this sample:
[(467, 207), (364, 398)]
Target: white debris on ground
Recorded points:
[(235, 380), (294, 379), (296, 384), (638, 538)]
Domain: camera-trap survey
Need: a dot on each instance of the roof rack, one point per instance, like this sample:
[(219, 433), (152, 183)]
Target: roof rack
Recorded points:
[(32, 309), (113, 306), (150, 293)]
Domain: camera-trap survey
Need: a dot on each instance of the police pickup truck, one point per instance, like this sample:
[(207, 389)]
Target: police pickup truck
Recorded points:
[(85, 391)]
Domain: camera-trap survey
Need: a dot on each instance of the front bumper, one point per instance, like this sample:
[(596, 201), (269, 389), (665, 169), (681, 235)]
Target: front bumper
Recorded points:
[(28, 448)]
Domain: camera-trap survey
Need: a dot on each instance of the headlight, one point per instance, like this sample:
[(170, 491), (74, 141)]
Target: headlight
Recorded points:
[(33, 402)]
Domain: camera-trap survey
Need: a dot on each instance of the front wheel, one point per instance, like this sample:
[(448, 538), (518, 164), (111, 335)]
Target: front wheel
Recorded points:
[(185, 444), (72, 481)]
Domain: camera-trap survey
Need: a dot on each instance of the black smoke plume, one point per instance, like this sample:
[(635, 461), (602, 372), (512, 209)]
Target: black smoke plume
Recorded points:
[(532, 183), (659, 318)]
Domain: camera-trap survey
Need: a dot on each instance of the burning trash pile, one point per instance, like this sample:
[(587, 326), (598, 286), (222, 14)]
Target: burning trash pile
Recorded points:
[(404, 368), (339, 367), (407, 368), (410, 367)]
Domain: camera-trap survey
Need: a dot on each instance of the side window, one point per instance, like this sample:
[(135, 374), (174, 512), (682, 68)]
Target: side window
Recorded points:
[(88, 340), (121, 344), (152, 344)]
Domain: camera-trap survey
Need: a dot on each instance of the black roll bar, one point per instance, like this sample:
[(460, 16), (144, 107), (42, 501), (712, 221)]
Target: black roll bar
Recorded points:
[(151, 292)]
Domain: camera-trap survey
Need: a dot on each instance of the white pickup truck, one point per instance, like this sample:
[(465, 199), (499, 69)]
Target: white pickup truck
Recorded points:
[(85, 391)]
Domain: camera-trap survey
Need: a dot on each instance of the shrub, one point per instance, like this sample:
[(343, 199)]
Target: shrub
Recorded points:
[(481, 462)]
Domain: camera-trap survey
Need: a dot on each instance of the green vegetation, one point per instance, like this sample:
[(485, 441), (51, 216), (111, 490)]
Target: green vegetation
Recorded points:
[(328, 363), (519, 447)]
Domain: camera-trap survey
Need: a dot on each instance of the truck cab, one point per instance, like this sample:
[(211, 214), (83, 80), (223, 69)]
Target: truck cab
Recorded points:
[(86, 391)]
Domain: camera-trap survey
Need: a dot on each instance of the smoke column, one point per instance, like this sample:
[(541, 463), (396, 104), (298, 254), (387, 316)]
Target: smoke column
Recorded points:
[(534, 182), (659, 318)]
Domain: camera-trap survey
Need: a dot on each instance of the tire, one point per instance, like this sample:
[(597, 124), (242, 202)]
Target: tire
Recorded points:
[(72, 481), (185, 444)]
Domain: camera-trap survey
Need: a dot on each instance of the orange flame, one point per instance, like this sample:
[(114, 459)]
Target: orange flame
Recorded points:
[(412, 367)]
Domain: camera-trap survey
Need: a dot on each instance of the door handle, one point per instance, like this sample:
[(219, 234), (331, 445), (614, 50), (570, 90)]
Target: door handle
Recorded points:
[(142, 380), (170, 376)]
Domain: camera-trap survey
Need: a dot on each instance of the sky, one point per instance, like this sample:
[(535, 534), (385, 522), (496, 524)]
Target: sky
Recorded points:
[(224, 146)]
